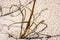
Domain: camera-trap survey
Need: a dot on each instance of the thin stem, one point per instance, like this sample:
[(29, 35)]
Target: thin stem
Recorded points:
[(28, 24)]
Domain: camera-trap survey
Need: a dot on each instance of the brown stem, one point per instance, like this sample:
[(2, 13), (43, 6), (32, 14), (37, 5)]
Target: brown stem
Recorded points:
[(28, 24)]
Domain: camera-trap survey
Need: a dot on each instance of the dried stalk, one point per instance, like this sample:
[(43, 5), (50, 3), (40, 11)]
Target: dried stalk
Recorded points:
[(28, 24)]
